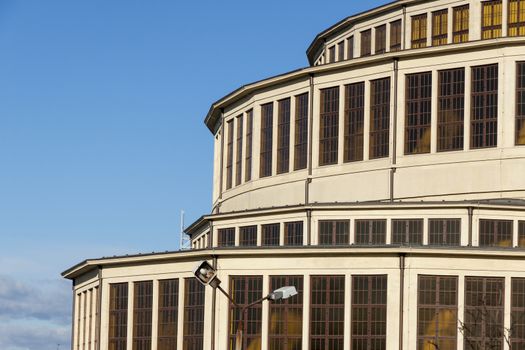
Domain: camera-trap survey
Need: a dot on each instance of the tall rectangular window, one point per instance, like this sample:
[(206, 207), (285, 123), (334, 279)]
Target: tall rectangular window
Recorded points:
[(419, 31), (369, 297), (517, 313), (366, 43), (444, 232), (380, 42), (484, 119), (283, 137), (521, 234), (248, 236), (379, 118), (142, 314), (395, 35), (495, 233), (285, 328), (516, 18), (460, 24), (245, 290), (118, 316), (194, 296), (370, 232), (271, 234), (327, 309), (334, 232), (354, 121), (293, 233), (249, 143), (226, 237), (520, 103), (331, 54), (168, 314), (439, 27), (407, 231), (229, 156), (437, 312), (350, 48), (329, 128), (484, 308), (418, 113), (451, 108), (341, 51), (491, 14), (301, 132), (238, 160), (266, 139)]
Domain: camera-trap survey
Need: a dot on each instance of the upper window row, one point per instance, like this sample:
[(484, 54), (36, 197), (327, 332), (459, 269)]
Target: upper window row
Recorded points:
[(491, 27)]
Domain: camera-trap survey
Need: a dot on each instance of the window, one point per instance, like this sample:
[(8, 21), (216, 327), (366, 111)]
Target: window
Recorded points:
[(520, 103), (334, 232), (354, 121), (439, 27), (491, 19), (271, 234), (370, 232), (517, 313), (142, 303), (226, 237), (341, 51), (495, 233), (395, 35), (249, 140), (460, 25), (248, 236), (366, 43), (484, 313), (379, 118), (327, 309), (229, 156), (168, 314), (118, 316), (238, 163), (283, 137), (245, 290), (451, 107), (516, 17), (293, 233), (521, 234), (286, 316), (484, 123), (331, 54), (444, 232), (350, 47), (301, 132), (329, 130), (408, 231), (266, 139), (369, 295), (437, 312), (380, 39), (418, 113), (194, 295), (419, 31)]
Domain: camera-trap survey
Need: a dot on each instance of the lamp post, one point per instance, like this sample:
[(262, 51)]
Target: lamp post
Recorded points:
[(207, 275)]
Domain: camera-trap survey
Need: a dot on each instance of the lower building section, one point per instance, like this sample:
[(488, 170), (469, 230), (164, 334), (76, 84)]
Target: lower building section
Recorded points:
[(372, 298)]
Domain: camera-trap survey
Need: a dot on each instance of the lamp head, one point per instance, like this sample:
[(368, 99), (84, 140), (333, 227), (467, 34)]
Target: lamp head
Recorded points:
[(283, 293), (206, 274)]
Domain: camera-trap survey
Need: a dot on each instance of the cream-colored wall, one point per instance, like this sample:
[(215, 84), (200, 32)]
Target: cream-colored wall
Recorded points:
[(437, 175), (344, 261)]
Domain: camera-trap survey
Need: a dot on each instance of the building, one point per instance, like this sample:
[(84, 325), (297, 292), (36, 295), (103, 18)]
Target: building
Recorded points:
[(386, 181)]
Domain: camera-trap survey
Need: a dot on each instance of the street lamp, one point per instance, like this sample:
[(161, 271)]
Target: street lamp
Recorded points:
[(207, 275)]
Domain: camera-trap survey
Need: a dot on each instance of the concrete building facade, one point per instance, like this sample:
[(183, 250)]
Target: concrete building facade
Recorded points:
[(386, 181)]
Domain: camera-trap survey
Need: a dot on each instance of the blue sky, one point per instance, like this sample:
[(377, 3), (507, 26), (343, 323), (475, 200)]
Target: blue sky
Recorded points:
[(102, 140)]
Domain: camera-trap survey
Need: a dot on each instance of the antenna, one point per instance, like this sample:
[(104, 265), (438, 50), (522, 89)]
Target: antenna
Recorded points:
[(185, 242)]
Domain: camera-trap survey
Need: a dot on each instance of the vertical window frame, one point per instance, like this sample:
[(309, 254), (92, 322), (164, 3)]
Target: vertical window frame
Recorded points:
[(379, 140), (460, 24), (407, 231), (366, 43), (142, 314), (293, 233), (283, 135), (301, 131), (229, 155), (395, 35), (370, 231), (519, 139), (226, 237), (484, 116), (444, 232), (495, 233), (419, 31), (249, 146), (248, 236), (440, 27), (266, 156), (491, 19), (451, 110), (329, 126), (168, 314), (354, 122), (516, 18), (193, 321), (238, 159), (418, 113), (271, 235), (334, 232), (118, 315), (380, 39)]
